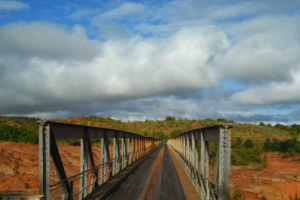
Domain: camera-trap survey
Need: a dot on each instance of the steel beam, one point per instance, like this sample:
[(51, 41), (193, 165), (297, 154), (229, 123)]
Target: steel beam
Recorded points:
[(124, 153), (50, 131), (116, 154), (60, 171), (44, 160), (83, 166)]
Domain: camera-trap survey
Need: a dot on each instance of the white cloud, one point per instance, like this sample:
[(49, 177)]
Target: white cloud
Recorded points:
[(121, 69), (124, 10), (46, 40), (275, 93), (127, 11), (12, 5), (48, 69), (264, 49)]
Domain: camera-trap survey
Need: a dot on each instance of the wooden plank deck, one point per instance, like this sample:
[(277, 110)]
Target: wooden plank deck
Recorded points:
[(168, 185), (132, 187), (112, 185), (154, 178)]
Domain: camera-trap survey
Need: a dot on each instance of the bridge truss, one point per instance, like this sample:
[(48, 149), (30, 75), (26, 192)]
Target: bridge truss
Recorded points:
[(186, 147), (132, 148)]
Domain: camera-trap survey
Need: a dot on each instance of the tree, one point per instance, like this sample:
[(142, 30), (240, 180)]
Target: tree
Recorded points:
[(248, 144), (261, 124), (222, 120), (170, 119), (238, 142), (269, 125)]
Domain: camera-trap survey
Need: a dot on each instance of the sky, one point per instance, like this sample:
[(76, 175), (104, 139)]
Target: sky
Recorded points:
[(138, 60)]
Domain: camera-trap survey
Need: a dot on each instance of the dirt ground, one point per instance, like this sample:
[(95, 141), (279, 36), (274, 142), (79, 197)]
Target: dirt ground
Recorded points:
[(279, 180), (19, 172)]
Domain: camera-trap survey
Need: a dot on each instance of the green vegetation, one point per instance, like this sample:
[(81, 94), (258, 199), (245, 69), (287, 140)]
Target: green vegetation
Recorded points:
[(25, 129), (237, 194), (290, 146), (248, 144), (24, 134), (247, 154)]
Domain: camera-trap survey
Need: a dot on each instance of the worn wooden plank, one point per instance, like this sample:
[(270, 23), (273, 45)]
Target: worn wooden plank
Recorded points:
[(132, 187), (189, 191), (103, 191)]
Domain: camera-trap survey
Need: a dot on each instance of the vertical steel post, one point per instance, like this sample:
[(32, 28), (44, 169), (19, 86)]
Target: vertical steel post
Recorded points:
[(216, 168), (134, 148), (187, 156), (124, 153), (224, 163), (104, 143), (204, 167), (138, 147), (146, 146), (193, 159), (116, 151), (83, 167), (44, 160), (129, 149), (196, 166)]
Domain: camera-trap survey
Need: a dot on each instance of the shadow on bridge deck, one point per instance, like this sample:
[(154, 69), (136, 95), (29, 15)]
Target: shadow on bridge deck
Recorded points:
[(151, 178)]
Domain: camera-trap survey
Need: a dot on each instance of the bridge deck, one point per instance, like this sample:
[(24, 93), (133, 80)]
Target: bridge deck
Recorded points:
[(155, 178)]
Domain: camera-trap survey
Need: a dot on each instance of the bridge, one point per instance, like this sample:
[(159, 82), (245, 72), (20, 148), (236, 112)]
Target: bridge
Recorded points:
[(136, 167)]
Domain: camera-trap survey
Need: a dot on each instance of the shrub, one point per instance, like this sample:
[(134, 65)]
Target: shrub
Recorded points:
[(290, 146), (248, 144), (240, 155), (238, 194), (238, 142), (24, 134)]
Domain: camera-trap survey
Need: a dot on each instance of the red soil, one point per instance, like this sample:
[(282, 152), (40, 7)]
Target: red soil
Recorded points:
[(195, 124), (279, 180), (19, 169)]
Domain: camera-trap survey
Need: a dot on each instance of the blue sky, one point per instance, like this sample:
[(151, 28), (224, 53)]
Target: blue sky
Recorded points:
[(137, 60)]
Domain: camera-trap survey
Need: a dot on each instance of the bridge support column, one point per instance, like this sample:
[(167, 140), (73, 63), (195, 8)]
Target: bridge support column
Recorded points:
[(83, 166), (129, 150), (224, 163), (116, 154), (134, 148), (44, 160), (105, 158), (124, 153), (204, 167)]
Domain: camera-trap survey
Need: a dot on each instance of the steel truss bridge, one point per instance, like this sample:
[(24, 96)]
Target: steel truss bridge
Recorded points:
[(136, 167)]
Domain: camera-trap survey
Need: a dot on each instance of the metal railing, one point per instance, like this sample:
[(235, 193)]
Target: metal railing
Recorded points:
[(185, 146), (132, 148)]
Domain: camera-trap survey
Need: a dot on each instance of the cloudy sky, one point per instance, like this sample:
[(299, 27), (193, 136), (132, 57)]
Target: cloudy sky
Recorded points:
[(137, 60)]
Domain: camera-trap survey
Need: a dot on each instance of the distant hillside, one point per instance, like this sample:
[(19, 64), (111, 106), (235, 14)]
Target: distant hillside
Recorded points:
[(171, 127), (17, 129), (18, 121)]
